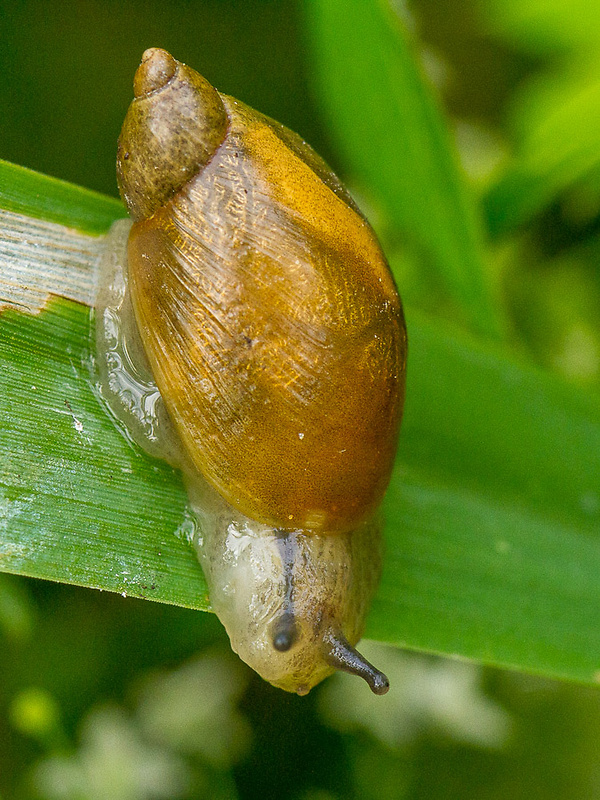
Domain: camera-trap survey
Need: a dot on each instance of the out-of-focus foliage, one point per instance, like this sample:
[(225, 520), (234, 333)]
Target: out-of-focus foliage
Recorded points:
[(103, 697), (411, 169), (544, 208)]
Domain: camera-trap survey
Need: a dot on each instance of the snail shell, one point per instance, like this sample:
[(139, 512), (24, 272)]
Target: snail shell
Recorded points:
[(274, 332)]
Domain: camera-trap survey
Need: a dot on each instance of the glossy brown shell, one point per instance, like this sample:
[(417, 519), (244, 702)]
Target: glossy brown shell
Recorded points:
[(274, 330)]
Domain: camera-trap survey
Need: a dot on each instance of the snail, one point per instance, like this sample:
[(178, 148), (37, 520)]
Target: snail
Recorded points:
[(250, 331)]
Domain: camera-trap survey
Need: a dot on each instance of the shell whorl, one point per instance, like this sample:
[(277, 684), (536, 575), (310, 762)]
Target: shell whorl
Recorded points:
[(266, 307), (172, 129)]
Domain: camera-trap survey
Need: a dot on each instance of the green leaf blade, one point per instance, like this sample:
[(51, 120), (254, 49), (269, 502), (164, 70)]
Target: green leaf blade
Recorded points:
[(27, 192), (493, 513), (78, 503)]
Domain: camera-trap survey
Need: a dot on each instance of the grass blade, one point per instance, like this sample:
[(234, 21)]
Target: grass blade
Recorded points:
[(493, 513), (393, 139)]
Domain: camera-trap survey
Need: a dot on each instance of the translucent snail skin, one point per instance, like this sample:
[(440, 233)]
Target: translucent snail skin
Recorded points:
[(251, 291)]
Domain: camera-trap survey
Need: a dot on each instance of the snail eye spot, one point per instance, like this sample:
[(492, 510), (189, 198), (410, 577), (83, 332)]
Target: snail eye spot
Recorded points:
[(282, 641), (285, 633)]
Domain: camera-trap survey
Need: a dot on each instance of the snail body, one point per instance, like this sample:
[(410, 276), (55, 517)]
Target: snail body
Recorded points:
[(273, 330)]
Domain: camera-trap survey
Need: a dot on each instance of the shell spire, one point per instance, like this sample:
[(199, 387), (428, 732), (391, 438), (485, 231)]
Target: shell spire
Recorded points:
[(156, 155)]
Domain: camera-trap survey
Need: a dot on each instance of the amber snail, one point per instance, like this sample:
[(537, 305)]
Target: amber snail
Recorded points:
[(271, 325)]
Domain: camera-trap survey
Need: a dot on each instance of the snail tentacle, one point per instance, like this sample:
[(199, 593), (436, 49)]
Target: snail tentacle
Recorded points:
[(341, 655), (285, 630)]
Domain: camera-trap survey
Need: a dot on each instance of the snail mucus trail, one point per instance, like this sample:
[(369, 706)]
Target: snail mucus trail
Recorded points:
[(249, 330)]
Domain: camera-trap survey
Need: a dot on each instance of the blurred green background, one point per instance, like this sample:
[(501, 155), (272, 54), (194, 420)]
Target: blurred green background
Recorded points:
[(106, 697)]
